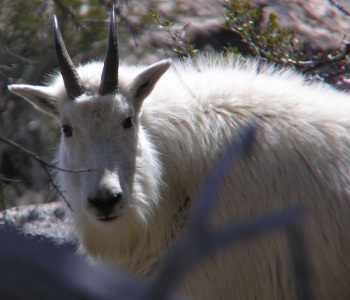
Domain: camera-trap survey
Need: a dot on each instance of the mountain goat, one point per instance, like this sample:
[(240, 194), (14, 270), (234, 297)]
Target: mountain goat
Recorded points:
[(151, 134)]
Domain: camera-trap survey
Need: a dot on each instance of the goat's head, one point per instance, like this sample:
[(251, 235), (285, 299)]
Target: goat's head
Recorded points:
[(100, 128)]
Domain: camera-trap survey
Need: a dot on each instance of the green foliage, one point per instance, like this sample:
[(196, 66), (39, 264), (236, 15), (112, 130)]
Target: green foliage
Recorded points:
[(268, 40), (159, 18), (181, 46)]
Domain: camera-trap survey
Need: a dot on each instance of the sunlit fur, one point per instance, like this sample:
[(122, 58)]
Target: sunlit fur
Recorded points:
[(301, 156)]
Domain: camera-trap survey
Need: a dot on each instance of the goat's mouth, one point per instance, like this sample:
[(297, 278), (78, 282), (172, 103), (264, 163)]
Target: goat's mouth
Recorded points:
[(108, 215), (107, 218)]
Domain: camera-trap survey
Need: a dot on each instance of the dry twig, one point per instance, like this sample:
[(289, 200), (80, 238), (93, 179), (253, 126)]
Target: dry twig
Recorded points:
[(45, 165), (314, 64), (339, 7)]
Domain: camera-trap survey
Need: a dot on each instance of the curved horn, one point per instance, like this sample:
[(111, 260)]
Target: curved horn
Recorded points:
[(109, 77), (72, 82)]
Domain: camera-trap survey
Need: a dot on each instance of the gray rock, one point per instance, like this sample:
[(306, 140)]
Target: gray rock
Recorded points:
[(320, 25), (44, 222)]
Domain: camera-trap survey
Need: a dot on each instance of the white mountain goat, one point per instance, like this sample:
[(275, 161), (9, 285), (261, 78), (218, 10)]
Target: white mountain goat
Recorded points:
[(151, 135)]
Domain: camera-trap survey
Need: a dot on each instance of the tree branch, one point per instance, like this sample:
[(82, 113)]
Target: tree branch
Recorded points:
[(312, 65), (38, 158), (67, 12), (45, 165), (339, 7)]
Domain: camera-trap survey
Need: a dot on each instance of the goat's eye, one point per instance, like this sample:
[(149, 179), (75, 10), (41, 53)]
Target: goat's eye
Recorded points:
[(128, 123), (67, 130)]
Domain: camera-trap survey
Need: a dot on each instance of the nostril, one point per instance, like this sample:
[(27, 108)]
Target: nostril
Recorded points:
[(94, 201), (118, 196), (114, 198)]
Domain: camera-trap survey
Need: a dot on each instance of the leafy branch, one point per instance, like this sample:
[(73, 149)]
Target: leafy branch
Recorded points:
[(282, 46), (181, 45), (268, 41)]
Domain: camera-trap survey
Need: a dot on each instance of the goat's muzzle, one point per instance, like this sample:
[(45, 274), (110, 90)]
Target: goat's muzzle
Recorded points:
[(107, 205)]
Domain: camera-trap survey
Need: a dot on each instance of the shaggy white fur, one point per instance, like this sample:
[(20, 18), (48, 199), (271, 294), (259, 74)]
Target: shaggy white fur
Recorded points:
[(301, 155)]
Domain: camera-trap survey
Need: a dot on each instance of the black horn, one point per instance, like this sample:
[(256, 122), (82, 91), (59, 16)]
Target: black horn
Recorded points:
[(72, 82), (109, 78)]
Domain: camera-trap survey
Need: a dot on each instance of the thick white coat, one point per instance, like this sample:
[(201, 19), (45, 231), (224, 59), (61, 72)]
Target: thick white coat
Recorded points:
[(301, 155)]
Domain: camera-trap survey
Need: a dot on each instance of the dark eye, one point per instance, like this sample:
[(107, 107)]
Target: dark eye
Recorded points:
[(128, 123), (67, 130)]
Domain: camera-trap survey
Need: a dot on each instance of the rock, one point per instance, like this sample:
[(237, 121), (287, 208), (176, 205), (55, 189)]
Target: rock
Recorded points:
[(32, 270), (320, 25), (43, 222)]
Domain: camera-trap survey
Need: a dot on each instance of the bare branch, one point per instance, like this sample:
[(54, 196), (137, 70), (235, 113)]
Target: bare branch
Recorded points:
[(56, 187), (45, 165), (9, 52), (339, 7), (9, 180), (38, 158), (67, 12), (312, 65)]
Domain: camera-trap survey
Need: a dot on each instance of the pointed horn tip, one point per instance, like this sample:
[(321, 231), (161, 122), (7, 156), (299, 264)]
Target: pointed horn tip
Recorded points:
[(15, 87), (56, 27), (70, 76), (113, 22), (166, 62), (55, 22), (10, 87)]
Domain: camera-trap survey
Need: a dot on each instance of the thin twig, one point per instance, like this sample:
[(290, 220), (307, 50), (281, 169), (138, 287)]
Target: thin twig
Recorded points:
[(339, 7), (38, 158), (9, 180), (9, 52), (68, 12), (45, 165), (55, 186), (312, 65)]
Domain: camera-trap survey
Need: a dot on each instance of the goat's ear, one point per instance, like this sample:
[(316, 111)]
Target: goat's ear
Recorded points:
[(144, 83), (39, 96)]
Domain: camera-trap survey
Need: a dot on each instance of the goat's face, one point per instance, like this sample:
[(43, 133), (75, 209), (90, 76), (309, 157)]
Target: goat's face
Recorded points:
[(99, 142), (99, 135), (99, 129)]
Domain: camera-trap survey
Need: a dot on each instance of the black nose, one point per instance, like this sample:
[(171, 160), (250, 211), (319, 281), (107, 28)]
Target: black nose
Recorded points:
[(105, 202)]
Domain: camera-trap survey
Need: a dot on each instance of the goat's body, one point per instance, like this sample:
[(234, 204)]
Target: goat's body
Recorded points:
[(301, 156)]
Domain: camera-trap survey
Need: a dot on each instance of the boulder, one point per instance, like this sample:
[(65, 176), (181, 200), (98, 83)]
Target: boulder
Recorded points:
[(320, 25), (47, 223)]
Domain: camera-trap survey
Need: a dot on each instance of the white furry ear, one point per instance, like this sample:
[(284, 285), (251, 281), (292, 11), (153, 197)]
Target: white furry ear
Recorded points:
[(39, 96), (144, 83)]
